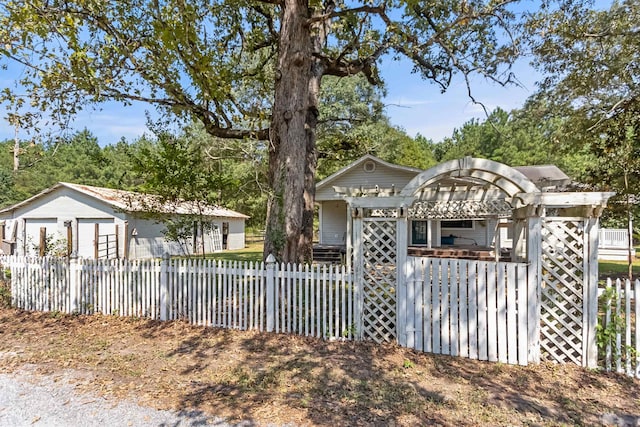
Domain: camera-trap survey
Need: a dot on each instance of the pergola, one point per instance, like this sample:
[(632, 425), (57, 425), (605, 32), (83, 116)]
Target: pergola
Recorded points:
[(555, 237)]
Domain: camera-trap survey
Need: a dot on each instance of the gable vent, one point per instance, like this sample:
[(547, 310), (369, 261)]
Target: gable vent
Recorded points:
[(369, 166)]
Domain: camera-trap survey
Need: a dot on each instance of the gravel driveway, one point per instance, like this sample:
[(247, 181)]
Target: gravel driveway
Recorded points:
[(29, 399)]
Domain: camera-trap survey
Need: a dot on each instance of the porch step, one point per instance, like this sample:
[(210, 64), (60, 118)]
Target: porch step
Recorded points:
[(327, 254)]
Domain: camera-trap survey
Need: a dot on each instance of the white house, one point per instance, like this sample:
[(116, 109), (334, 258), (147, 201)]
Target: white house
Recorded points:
[(98, 222), (371, 175)]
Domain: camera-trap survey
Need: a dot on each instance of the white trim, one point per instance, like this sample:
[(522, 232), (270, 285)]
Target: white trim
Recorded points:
[(335, 175), (508, 179)]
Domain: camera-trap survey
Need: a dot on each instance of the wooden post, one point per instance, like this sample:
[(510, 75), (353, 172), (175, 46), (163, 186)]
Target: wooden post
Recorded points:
[(518, 242), (164, 287), (67, 225), (117, 241), (271, 292), (590, 293), (401, 279), (125, 241), (534, 285), (349, 239), (358, 272), (96, 237), (73, 284), (43, 242)]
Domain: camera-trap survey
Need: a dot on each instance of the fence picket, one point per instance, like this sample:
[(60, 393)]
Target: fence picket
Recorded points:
[(444, 305), (501, 314), (483, 348), (435, 306), (618, 334), (454, 304), (462, 307), (463, 317), (627, 319), (427, 331), (636, 297), (511, 339)]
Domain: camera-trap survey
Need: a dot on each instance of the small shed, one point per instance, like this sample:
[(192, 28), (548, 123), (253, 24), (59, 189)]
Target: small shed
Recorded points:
[(97, 222)]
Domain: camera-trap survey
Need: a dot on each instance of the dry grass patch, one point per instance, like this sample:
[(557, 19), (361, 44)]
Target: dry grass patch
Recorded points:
[(271, 378)]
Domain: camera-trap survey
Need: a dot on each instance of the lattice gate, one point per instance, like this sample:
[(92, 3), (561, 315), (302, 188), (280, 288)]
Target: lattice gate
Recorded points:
[(378, 239), (563, 307)]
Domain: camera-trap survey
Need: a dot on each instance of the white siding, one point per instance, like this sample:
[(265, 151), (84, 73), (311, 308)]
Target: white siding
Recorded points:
[(383, 176), (236, 239), (149, 241), (66, 204), (333, 218)]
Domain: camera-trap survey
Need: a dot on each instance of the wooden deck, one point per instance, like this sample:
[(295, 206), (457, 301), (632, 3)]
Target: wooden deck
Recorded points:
[(474, 252)]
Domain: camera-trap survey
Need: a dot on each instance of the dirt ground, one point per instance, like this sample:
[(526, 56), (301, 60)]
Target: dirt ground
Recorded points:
[(282, 379)]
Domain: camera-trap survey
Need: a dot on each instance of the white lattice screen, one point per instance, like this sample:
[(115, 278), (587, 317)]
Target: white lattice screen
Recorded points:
[(562, 306), (379, 273)]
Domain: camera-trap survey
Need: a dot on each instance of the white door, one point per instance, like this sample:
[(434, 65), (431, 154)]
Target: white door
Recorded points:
[(87, 237)]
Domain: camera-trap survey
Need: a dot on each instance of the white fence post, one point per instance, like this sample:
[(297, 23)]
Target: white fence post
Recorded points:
[(164, 287), (271, 294), (73, 283)]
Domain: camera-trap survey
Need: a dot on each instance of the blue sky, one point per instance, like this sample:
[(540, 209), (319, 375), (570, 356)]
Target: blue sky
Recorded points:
[(418, 106), (412, 103)]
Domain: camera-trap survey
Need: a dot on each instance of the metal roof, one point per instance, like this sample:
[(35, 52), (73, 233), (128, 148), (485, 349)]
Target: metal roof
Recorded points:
[(131, 201)]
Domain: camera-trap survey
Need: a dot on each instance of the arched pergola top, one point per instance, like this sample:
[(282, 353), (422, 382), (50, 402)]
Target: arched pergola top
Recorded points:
[(472, 172)]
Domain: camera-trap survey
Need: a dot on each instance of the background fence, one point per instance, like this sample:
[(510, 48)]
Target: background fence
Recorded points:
[(619, 327)]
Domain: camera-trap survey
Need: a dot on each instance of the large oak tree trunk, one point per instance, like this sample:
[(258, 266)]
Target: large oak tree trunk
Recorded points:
[(292, 151)]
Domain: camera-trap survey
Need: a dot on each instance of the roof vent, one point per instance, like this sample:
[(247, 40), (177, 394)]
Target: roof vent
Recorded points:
[(369, 166)]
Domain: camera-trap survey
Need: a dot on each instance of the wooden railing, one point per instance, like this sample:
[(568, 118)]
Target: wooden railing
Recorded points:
[(613, 238)]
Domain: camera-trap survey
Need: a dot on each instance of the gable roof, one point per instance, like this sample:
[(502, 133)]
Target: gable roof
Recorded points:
[(543, 176), (131, 201), (328, 180)]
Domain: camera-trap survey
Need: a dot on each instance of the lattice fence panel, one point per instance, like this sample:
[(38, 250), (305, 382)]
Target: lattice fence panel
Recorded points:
[(379, 268), (459, 209), (562, 290)]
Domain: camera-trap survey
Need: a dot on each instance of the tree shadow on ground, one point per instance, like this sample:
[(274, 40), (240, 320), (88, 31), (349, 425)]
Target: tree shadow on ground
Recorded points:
[(279, 379)]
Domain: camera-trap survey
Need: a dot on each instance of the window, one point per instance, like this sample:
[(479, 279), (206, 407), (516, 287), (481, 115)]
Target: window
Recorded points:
[(419, 232), (467, 224)]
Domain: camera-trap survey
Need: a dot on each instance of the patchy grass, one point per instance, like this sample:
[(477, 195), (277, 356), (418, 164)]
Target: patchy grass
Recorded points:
[(615, 269), (285, 379), (251, 252)]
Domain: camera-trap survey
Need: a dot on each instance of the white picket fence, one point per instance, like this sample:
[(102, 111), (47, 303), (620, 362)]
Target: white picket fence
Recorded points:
[(311, 300), (471, 309), (467, 308), (620, 327)]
